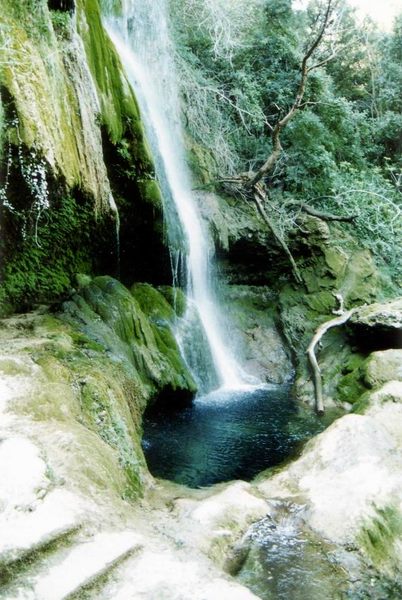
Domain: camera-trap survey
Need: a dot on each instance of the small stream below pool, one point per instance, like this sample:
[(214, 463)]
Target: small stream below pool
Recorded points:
[(225, 435)]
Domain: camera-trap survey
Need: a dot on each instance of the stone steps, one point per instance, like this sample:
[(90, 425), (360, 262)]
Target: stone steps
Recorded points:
[(27, 534), (66, 573)]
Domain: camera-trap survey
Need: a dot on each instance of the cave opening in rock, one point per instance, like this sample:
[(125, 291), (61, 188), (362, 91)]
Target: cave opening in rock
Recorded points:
[(225, 435)]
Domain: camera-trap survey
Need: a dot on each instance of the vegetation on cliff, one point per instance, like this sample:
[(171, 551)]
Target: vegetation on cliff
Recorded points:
[(340, 152)]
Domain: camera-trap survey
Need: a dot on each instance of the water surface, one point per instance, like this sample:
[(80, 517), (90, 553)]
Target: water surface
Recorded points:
[(225, 435)]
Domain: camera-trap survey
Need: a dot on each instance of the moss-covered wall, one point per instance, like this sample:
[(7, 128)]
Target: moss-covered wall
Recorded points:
[(330, 263), (72, 148)]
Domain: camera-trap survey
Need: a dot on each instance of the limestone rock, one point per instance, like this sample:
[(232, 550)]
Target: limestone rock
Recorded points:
[(378, 325), (385, 406), (219, 520), (387, 315), (342, 475), (383, 366)]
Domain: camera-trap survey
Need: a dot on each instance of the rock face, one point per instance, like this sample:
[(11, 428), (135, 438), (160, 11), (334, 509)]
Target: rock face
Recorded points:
[(327, 270), (248, 259), (378, 325), (255, 332), (73, 155)]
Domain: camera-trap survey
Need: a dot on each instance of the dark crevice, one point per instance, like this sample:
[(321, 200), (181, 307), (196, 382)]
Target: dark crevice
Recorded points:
[(63, 5), (144, 253)]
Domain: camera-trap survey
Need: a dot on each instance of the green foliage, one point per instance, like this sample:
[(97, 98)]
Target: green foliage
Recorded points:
[(341, 150), (61, 21), (377, 207)]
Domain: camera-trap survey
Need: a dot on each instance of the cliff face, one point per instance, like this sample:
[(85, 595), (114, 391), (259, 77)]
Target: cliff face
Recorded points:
[(73, 153)]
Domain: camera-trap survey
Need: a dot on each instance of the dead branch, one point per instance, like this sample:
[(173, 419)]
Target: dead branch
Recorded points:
[(326, 216), (319, 333)]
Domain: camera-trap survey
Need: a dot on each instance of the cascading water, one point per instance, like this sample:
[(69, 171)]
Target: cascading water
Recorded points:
[(141, 37)]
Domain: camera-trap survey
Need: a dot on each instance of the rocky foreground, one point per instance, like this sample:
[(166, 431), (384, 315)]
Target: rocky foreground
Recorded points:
[(82, 517)]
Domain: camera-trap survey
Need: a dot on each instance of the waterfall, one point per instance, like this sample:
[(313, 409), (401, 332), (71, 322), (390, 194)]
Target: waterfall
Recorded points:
[(141, 37)]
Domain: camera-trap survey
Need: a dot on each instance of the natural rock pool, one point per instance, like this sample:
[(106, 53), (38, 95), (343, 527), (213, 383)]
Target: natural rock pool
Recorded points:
[(225, 435)]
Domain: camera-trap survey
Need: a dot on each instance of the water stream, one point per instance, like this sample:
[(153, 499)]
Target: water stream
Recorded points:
[(141, 36)]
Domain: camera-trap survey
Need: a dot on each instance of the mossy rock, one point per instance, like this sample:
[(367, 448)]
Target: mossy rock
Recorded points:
[(135, 330), (151, 193), (351, 388), (379, 539), (176, 298), (152, 303), (383, 366), (336, 260), (162, 316), (322, 302)]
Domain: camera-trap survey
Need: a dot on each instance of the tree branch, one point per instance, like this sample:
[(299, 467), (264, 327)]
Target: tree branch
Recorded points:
[(326, 216), (281, 123), (320, 332), (258, 202)]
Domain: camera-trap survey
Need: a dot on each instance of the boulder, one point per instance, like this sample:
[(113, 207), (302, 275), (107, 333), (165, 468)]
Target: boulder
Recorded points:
[(378, 325), (342, 476), (383, 366)]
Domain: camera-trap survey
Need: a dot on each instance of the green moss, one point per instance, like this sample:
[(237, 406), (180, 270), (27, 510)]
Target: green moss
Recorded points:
[(119, 109), (362, 403), (105, 411), (379, 536), (152, 302), (162, 316), (41, 262), (88, 391), (151, 193), (351, 385), (321, 302), (136, 329), (176, 298), (350, 388), (336, 260), (201, 161)]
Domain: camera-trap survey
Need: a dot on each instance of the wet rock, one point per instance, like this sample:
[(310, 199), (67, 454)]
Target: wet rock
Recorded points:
[(343, 475), (218, 521), (255, 334)]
